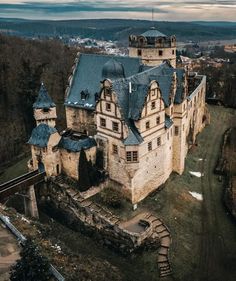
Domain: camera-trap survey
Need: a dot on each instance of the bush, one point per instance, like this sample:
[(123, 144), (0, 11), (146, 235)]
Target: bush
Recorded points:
[(32, 266), (111, 197)]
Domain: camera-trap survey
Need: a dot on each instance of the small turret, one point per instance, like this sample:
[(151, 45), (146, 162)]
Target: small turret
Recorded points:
[(44, 108)]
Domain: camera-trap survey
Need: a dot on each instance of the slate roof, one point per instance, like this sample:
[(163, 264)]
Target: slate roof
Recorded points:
[(43, 100), (41, 134), (153, 33), (180, 86), (168, 122), (88, 74), (76, 145)]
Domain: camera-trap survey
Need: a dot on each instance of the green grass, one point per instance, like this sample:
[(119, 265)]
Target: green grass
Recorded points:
[(15, 170)]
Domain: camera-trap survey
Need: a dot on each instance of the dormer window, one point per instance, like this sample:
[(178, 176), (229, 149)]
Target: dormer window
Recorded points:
[(84, 95)]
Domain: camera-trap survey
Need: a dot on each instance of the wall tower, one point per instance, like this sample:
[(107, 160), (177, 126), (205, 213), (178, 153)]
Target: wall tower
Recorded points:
[(44, 108), (153, 47)]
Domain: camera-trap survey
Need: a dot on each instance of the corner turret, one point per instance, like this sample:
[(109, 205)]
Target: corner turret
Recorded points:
[(44, 108)]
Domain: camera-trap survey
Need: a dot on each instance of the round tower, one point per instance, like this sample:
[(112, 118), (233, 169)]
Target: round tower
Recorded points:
[(44, 108), (153, 47)]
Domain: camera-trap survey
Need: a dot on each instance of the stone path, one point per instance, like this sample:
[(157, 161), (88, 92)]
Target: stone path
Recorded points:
[(161, 231), (9, 252)]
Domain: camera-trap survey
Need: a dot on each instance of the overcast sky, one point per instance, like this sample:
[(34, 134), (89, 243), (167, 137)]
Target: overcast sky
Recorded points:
[(168, 10)]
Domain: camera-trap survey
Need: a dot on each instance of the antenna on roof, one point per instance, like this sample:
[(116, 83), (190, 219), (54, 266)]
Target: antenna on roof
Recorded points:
[(152, 17)]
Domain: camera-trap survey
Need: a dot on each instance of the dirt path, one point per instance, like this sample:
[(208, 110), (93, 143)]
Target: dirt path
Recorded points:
[(9, 252), (213, 256)]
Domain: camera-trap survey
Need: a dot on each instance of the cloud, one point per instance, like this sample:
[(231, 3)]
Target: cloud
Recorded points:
[(164, 9)]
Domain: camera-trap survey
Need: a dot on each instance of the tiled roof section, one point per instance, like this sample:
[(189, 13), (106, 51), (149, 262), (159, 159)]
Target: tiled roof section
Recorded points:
[(41, 134), (88, 74), (168, 122), (180, 86), (153, 33), (76, 145), (43, 100), (134, 137), (131, 104)]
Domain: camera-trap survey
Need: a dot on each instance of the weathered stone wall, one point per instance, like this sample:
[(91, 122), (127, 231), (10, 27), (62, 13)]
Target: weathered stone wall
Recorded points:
[(151, 57), (48, 118), (83, 215), (81, 120)]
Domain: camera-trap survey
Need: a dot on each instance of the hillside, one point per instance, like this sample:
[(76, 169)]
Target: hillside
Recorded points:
[(116, 29), (23, 65)]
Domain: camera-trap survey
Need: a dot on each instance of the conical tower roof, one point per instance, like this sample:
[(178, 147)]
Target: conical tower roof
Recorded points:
[(43, 100)]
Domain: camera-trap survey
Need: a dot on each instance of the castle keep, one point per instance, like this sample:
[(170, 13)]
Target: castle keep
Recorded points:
[(140, 113)]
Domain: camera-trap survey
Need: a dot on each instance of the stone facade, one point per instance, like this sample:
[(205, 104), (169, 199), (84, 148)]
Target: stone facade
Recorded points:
[(143, 120)]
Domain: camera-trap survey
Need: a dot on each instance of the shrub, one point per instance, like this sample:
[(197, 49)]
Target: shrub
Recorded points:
[(112, 197)]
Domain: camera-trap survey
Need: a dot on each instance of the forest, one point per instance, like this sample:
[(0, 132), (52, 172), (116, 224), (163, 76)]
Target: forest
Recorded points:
[(24, 64)]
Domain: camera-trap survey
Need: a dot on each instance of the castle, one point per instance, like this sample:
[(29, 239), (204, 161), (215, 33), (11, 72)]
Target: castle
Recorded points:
[(140, 113)]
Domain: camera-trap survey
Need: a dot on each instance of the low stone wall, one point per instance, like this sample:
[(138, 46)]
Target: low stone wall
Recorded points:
[(92, 219)]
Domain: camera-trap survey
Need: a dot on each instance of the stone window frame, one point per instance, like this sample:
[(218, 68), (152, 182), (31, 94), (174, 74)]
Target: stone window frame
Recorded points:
[(153, 105), (115, 149), (132, 156), (108, 106), (158, 120), (176, 130), (147, 125), (149, 146), (102, 122), (159, 141), (139, 52), (160, 52), (115, 126)]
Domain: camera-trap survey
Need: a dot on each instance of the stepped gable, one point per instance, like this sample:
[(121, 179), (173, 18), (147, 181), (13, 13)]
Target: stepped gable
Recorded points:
[(43, 100), (41, 134)]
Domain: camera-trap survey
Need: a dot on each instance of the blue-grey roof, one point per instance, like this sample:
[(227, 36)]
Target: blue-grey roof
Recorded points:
[(153, 33), (168, 122), (180, 85), (134, 137), (88, 74), (43, 100), (41, 134), (76, 145)]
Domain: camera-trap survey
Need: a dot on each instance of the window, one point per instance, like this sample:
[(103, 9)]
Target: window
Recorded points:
[(160, 52), (115, 126), (183, 127), (102, 122), (158, 141), (150, 146), (168, 135), (45, 110), (108, 107), (173, 52), (176, 130), (115, 149), (139, 52), (158, 120), (132, 156), (147, 125), (153, 105)]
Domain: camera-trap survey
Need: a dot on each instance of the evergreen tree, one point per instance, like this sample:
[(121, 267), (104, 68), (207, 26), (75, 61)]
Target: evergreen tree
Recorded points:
[(32, 266), (84, 179)]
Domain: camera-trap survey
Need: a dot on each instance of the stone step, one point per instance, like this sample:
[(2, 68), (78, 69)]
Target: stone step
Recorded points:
[(163, 234), (160, 228), (162, 259), (165, 241), (164, 268), (157, 223), (163, 251), (164, 265), (164, 274)]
